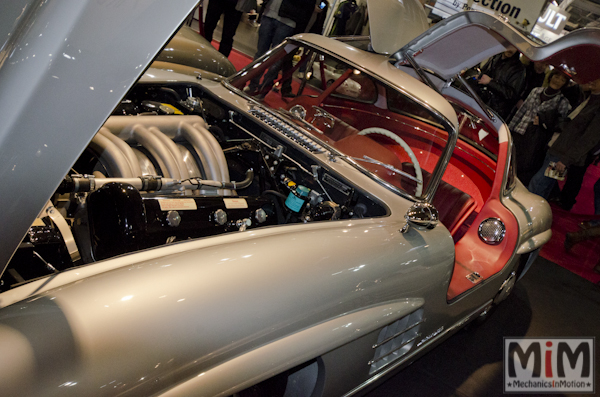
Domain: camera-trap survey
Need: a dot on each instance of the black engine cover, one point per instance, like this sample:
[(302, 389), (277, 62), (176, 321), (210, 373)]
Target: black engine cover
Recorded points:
[(122, 220)]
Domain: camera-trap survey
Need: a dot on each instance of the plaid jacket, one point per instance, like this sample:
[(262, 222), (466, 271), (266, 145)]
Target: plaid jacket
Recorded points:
[(533, 105)]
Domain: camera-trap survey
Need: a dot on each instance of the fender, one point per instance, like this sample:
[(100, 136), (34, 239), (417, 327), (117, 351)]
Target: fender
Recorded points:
[(269, 360)]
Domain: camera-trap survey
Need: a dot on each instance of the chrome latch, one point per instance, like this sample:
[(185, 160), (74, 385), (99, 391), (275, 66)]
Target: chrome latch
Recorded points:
[(474, 277)]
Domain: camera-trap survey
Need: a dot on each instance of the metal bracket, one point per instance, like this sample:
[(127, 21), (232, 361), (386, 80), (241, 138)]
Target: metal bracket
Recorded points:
[(64, 229)]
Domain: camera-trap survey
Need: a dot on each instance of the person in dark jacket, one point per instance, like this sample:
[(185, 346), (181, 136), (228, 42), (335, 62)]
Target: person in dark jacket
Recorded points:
[(318, 18), (231, 20), (280, 19), (501, 82), (535, 74), (566, 197), (345, 10), (580, 134), (535, 121), (301, 27)]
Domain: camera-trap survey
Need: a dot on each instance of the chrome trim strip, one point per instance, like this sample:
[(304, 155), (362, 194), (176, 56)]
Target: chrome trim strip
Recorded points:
[(506, 190), (375, 346), (395, 350)]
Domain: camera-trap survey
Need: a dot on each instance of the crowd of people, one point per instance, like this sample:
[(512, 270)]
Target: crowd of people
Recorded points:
[(555, 126), (277, 19)]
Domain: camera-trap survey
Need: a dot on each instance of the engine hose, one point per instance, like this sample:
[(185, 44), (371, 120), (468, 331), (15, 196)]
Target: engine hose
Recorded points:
[(276, 193), (76, 184), (242, 184), (171, 91)]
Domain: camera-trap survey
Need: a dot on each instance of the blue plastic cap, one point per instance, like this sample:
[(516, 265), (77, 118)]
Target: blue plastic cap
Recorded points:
[(302, 190)]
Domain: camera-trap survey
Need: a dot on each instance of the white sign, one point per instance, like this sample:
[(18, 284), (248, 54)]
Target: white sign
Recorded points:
[(235, 203), (177, 204), (550, 26), (520, 13), (554, 19)]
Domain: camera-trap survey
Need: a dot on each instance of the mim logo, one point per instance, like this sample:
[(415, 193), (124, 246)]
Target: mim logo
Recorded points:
[(549, 365)]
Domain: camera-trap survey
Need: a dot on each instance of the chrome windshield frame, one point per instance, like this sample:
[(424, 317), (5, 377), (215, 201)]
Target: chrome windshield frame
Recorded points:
[(448, 126)]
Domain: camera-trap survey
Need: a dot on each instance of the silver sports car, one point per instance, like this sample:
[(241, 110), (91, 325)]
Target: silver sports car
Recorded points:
[(272, 234)]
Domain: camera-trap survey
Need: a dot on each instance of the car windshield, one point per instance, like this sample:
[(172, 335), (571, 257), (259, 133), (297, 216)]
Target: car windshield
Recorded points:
[(375, 125)]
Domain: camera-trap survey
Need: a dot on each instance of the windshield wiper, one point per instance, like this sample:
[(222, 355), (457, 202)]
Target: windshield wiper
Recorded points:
[(390, 167)]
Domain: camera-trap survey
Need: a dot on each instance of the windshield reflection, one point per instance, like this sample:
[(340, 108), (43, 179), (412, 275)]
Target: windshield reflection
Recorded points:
[(376, 126)]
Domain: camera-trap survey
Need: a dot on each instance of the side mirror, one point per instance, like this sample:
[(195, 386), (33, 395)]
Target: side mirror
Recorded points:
[(421, 215)]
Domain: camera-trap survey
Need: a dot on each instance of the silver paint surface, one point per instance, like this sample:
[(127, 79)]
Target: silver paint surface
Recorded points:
[(232, 284), (60, 62), (397, 23), (188, 48), (477, 36), (159, 320)]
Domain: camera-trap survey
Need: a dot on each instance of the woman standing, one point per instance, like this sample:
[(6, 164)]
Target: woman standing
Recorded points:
[(533, 124)]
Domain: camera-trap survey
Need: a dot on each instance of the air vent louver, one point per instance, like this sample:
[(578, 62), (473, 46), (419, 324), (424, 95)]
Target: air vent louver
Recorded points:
[(396, 339), (287, 129)]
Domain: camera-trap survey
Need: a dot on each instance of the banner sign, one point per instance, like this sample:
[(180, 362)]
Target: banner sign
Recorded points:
[(550, 24), (520, 13)]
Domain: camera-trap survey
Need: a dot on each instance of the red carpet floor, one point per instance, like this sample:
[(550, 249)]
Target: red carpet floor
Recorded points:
[(583, 257)]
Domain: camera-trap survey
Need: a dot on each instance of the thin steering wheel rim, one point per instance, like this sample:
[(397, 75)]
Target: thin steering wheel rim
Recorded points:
[(404, 145)]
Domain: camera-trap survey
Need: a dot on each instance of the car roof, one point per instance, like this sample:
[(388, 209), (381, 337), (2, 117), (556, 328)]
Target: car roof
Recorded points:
[(397, 23), (468, 38)]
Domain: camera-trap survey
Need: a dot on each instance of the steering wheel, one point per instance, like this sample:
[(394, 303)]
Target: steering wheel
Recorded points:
[(401, 142)]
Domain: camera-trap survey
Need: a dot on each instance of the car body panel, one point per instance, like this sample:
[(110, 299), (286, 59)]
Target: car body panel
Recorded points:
[(51, 55), (302, 345), (398, 22), (478, 36), (182, 69), (535, 220), (146, 298), (188, 48)]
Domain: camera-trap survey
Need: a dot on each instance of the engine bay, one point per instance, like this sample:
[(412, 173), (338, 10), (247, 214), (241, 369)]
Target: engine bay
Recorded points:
[(172, 164)]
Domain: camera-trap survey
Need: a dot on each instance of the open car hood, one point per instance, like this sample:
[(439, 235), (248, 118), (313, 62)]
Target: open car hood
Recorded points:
[(64, 66), (466, 39), (394, 23)]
